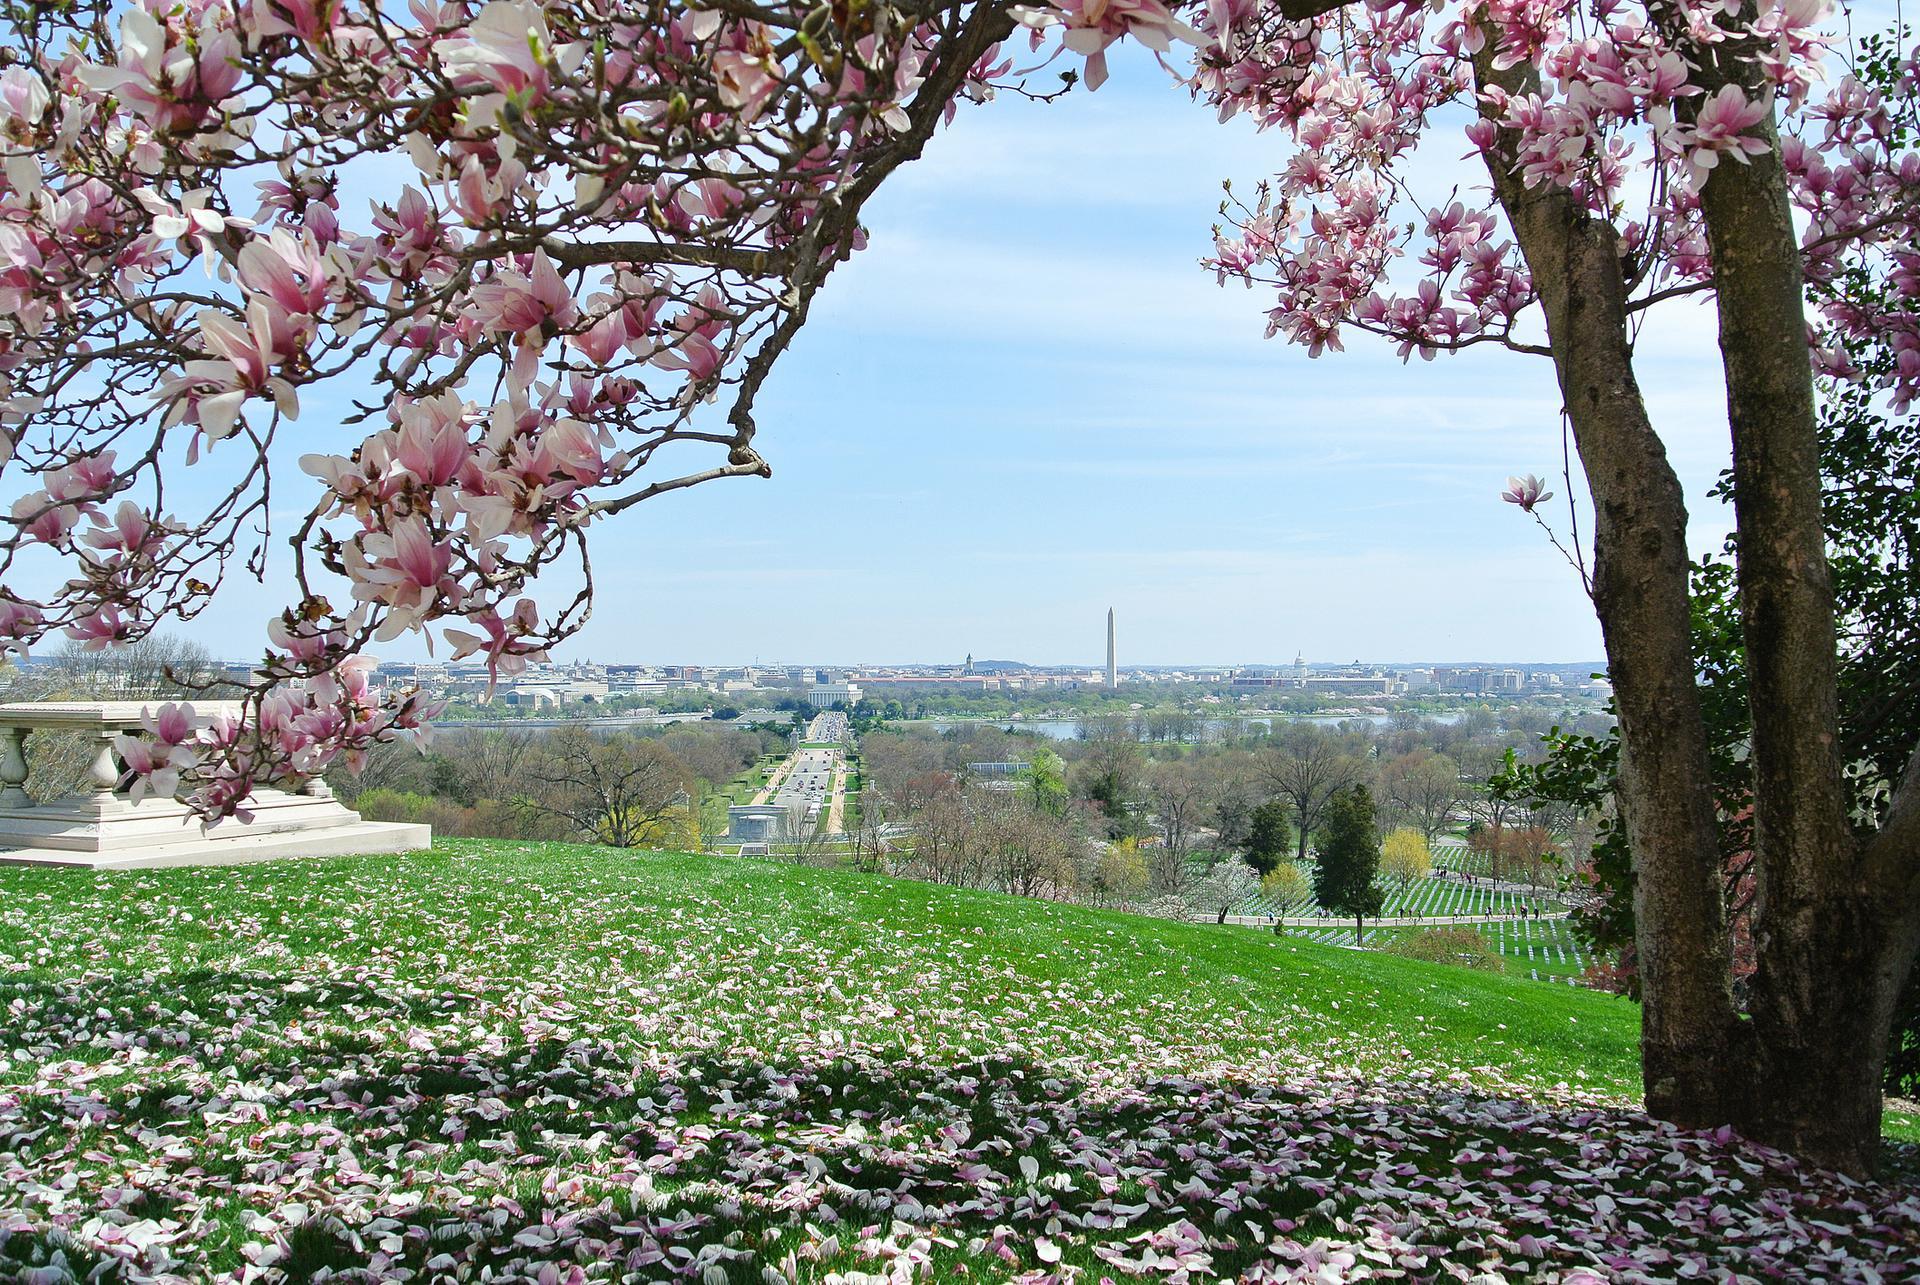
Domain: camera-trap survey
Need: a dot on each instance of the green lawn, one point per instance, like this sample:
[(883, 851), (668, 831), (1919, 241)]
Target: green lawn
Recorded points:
[(498, 1056)]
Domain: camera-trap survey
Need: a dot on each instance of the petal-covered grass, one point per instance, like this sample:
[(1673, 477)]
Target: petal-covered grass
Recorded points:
[(550, 1063)]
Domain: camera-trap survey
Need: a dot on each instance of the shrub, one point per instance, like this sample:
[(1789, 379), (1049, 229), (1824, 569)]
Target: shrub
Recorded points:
[(487, 819), (381, 804), (1460, 946)]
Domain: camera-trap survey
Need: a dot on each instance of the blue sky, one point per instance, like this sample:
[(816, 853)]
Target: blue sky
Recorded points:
[(1025, 402)]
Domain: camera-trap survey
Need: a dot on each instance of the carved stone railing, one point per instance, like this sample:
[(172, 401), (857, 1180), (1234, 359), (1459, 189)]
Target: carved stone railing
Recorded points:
[(104, 827), (103, 721)]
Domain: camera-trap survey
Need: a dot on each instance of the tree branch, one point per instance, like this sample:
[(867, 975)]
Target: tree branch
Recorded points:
[(746, 262), (1890, 864)]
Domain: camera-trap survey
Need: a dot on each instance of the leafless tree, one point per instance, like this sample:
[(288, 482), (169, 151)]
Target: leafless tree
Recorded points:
[(1234, 791), (1424, 788), (712, 754), (802, 835), (491, 764), (1179, 796), (942, 850), (1029, 853), (618, 790), (396, 765), (159, 665), (867, 838), (1168, 871), (1108, 769), (1305, 766)]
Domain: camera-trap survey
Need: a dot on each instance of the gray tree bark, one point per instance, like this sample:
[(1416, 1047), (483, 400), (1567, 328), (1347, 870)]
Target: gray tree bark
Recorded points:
[(1692, 1040)]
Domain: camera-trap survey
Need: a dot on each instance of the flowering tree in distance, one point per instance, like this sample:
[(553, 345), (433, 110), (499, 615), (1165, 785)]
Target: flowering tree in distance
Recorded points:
[(1637, 154)]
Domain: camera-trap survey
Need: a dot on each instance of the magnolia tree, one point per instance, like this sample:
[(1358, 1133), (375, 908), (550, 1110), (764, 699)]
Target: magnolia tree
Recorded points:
[(538, 259), (1633, 155), (546, 255)]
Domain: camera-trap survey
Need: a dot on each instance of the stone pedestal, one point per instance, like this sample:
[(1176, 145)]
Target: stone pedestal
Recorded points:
[(107, 830)]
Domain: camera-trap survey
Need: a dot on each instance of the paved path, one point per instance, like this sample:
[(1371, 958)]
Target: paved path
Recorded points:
[(1456, 851), (1432, 921), (837, 801)]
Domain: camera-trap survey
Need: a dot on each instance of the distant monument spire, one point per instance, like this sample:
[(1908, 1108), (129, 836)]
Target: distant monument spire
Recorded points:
[(1113, 657)]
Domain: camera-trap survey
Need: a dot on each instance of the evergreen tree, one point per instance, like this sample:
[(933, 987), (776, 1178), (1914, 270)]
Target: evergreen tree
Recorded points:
[(1269, 836), (1349, 850)]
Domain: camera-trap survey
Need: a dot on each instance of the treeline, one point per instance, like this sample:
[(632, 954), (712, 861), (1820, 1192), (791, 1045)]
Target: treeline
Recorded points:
[(1425, 774), (1118, 817), (639, 787), (1148, 705)]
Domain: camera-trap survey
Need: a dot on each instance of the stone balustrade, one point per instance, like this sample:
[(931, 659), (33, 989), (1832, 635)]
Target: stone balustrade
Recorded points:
[(103, 720), (105, 828)]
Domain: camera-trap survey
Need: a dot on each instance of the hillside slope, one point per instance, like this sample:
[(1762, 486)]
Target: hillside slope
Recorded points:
[(544, 1060)]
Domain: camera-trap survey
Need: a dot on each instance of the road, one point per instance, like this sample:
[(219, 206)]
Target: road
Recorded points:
[(808, 781)]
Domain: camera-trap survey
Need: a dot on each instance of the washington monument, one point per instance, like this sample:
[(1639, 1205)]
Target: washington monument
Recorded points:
[(1113, 658)]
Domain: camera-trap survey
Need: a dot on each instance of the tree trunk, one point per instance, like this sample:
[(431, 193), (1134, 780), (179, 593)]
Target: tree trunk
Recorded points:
[(1825, 985), (1693, 1053)]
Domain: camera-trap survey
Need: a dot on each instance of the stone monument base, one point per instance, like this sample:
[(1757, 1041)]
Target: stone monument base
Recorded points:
[(107, 830), (117, 834)]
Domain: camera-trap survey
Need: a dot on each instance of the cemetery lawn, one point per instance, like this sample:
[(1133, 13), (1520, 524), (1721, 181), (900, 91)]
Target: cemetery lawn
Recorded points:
[(543, 1062)]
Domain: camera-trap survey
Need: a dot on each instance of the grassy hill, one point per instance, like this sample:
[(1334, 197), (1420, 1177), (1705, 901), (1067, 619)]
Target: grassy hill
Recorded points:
[(536, 1059)]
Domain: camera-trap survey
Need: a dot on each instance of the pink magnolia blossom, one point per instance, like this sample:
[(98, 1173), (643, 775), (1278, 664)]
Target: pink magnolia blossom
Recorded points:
[(748, 78), (154, 762), (100, 630), (505, 48), (508, 643), (1722, 128), (1528, 492), (407, 570), (526, 305)]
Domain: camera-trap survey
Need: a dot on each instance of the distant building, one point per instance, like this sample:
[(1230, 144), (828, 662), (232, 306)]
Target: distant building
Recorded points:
[(949, 682), (405, 671), (754, 822), (536, 695), (1479, 680), (827, 695), (1350, 685)]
